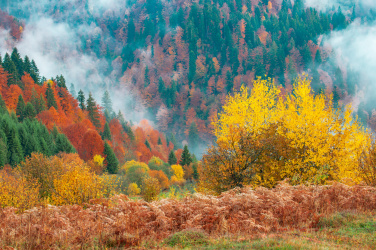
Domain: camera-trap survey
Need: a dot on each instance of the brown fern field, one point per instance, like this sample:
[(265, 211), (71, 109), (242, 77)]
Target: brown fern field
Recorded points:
[(121, 222)]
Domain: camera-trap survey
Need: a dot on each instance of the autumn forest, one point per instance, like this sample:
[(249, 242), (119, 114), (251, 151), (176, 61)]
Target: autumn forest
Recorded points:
[(133, 123)]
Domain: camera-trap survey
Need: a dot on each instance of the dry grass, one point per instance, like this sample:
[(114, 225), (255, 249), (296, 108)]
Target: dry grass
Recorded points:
[(120, 222)]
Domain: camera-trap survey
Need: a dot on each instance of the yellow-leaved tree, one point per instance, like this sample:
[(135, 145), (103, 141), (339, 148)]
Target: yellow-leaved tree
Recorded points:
[(263, 138)]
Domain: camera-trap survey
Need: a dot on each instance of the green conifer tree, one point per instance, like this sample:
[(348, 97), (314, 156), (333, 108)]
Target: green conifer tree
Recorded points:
[(172, 158), (29, 111), (20, 110), (81, 99), (148, 144), (91, 107), (3, 107), (51, 101), (106, 135), (186, 158), (63, 144), (112, 162)]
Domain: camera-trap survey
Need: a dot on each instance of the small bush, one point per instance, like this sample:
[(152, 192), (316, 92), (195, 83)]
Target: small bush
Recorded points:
[(16, 191), (133, 189), (150, 189), (188, 238)]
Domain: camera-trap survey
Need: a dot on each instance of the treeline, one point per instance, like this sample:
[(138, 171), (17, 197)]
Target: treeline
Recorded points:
[(192, 54), (18, 140), (40, 115)]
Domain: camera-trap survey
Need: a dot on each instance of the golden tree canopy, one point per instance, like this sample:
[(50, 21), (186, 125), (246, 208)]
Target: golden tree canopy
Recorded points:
[(299, 136)]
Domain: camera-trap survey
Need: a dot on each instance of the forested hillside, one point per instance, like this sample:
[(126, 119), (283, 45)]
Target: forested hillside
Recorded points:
[(183, 57), (39, 115)]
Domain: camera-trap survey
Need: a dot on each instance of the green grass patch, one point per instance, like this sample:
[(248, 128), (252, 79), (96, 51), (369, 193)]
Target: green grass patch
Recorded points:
[(187, 238)]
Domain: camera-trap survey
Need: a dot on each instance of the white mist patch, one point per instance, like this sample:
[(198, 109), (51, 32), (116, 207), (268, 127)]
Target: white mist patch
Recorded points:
[(356, 45), (325, 5), (56, 49)]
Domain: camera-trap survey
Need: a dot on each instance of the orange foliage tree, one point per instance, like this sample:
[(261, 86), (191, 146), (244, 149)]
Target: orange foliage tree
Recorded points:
[(91, 145)]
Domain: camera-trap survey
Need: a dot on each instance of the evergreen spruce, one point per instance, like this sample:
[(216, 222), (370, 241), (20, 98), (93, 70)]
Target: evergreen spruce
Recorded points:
[(3, 107), (34, 72), (106, 135), (3, 153), (148, 144), (51, 101), (91, 107), (63, 144), (186, 158), (29, 111), (81, 99), (60, 80), (172, 158), (17, 60), (20, 110), (111, 160)]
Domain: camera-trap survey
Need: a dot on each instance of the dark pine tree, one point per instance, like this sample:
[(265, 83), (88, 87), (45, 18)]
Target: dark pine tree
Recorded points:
[(29, 111), (112, 162), (3, 107), (91, 107), (63, 144), (20, 110), (186, 158), (106, 135), (51, 101), (147, 143), (81, 99), (172, 158)]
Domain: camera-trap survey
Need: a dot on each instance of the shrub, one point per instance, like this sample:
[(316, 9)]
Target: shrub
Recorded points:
[(133, 164), (133, 189), (77, 186), (16, 191), (161, 177), (150, 189), (178, 177), (367, 165)]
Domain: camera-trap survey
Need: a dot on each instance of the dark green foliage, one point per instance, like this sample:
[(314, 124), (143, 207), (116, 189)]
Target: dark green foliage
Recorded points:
[(111, 160), (9, 66), (3, 153), (63, 144), (51, 101), (3, 107), (318, 59), (20, 110), (81, 99), (34, 72), (17, 60), (29, 111), (91, 107), (172, 158), (159, 141), (60, 80), (195, 171), (335, 97), (147, 143), (106, 135), (186, 158), (15, 153)]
